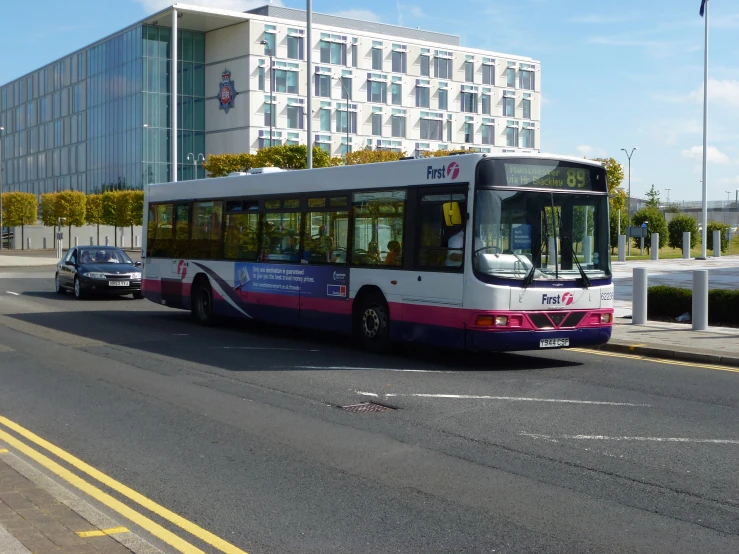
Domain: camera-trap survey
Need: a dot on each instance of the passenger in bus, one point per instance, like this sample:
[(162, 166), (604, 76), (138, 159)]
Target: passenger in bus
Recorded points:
[(455, 246), (394, 253), (373, 253)]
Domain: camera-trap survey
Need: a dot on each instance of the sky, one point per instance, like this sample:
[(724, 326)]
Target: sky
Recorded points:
[(613, 74)]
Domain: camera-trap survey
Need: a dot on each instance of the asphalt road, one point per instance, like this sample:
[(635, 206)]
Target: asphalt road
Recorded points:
[(237, 428)]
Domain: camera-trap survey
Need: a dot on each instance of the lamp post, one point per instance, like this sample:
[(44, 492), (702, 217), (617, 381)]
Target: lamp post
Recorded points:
[(1, 188), (668, 195), (195, 163), (346, 95), (628, 222), (271, 89)]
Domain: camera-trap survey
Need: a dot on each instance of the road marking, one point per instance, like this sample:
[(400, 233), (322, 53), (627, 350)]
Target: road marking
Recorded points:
[(657, 360), (3, 450), (265, 348), (117, 486), (13, 293), (102, 532), (334, 367), (4, 348), (509, 398), (140, 520), (634, 439)]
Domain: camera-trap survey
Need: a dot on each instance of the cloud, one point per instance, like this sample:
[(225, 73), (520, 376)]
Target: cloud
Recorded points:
[(595, 19), (591, 151), (730, 181), (726, 92), (364, 15), (714, 155), (584, 149), (232, 5)]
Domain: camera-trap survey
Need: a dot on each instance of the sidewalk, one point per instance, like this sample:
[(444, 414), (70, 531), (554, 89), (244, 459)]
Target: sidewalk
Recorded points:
[(718, 345), (33, 520), (13, 260)]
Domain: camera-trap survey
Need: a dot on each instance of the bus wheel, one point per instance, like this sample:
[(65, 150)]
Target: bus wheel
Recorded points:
[(202, 303), (374, 324)]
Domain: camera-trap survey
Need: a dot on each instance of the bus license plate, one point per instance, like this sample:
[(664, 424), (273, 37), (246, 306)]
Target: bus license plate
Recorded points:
[(553, 343), (118, 283)]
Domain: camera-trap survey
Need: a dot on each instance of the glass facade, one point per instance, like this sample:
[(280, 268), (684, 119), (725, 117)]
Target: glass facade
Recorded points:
[(100, 118)]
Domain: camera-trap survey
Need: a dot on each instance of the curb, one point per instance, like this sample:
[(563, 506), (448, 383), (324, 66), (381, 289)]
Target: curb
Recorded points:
[(666, 353)]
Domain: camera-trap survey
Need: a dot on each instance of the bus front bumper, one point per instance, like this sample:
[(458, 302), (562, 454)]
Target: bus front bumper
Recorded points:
[(536, 340)]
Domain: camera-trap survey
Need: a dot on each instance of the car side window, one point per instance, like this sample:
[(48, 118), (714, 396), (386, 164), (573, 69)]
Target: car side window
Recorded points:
[(71, 256)]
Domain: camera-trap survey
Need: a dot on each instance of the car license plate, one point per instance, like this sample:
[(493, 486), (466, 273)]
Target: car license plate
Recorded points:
[(553, 343), (118, 283)]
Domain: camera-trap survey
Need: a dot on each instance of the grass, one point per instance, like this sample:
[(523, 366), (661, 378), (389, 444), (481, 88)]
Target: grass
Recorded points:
[(667, 253)]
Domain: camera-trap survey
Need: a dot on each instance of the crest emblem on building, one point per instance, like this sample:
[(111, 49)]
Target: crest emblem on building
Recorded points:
[(226, 92)]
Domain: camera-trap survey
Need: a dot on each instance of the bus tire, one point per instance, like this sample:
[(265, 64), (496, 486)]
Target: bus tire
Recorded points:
[(374, 323), (202, 303)]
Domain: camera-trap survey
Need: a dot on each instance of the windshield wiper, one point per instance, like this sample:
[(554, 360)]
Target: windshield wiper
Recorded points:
[(530, 276), (555, 222)]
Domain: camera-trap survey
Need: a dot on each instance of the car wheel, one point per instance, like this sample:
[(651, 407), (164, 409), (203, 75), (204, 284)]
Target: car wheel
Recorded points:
[(79, 292), (202, 304), (374, 324), (138, 295), (57, 285)]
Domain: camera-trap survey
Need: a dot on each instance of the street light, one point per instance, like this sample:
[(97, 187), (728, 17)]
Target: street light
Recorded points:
[(668, 194), (628, 222), (346, 95), (1, 188), (271, 88), (195, 163)]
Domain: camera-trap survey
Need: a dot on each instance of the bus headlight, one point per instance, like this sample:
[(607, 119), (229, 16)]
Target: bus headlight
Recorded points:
[(501, 320), (605, 318)]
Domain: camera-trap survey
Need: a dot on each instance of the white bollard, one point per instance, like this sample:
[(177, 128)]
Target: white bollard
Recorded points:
[(700, 300), (717, 243), (136, 241), (639, 296), (28, 243), (641, 245), (655, 246), (686, 245), (43, 241), (552, 253), (91, 241), (123, 241), (76, 241), (622, 248), (107, 240), (587, 248)]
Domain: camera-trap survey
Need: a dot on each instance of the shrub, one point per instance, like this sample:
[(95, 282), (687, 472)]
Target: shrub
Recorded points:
[(677, 226), (655, 224), (716, 226), (666, 301)]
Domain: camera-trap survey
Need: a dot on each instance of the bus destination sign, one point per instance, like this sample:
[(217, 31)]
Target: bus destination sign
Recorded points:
[(549, 176)]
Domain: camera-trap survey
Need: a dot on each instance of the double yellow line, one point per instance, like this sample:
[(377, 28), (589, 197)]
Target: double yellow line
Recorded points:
[(109, 501), (655, 360)]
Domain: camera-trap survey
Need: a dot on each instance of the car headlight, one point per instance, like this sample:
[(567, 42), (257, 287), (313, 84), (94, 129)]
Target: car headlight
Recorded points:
[(136, 275), (94, 275)]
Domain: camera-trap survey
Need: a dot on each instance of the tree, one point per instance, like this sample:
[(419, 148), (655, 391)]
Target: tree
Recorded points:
[(20, 209), (677, 226), (615, 231), (94, 211), (655, 224), (614, 172), (48, 212), (716, 226), (653, 195), (442, 153), (293, 156), (71, 205), (368, 156), (137, 210)]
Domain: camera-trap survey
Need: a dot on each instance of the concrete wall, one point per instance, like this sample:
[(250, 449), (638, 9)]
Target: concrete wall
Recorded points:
[(37, 234)]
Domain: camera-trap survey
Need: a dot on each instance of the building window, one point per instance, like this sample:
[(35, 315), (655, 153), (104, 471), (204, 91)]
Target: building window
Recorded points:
[(377, 124), (355, 55), (269, 47), (325, 120), (509, 107), (377, 92), (510, 77), (449, 130), (469, 71), (422, 96), (377, 59), (469, 132), (260, 77), (346, 88), (341, 121), (443, 99), (486, 104), (399, 61), (286, 81), (488, 134), (267, 113), (397, 123), (333, 52), (511, 136), (526, 108), (432, 129), (295, 117), (425, 66), (442, 68), (396, 94), (295, 47), (528, 138), (323, 85), (488, 74), (469, 102), (526, 80)]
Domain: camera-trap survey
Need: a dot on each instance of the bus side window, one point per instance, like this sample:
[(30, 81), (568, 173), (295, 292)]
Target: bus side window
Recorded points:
[(325, 239), (160, 231), (379, 219)]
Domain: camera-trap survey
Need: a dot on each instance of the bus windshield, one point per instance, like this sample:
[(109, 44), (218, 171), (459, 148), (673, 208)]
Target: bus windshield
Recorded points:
[(549, 232)]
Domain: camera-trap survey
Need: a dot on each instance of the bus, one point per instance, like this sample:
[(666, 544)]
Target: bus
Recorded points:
[(484, 252)]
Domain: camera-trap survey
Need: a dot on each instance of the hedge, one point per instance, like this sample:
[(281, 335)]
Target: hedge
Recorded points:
[(671, 302)]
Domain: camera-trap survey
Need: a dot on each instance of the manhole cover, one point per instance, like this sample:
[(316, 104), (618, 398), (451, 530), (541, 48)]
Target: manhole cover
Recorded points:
[(366, 407)]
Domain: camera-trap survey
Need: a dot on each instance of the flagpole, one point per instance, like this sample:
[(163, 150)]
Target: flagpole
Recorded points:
[(704, 234)]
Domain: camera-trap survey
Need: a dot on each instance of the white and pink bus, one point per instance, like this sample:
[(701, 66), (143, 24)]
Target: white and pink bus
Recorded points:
[(477, 251)]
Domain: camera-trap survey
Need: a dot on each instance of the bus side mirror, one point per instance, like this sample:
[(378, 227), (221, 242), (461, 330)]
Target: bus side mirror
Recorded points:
[(452, 214)]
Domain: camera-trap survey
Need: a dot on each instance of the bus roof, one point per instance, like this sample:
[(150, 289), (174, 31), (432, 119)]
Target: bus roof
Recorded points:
[(402, 173)]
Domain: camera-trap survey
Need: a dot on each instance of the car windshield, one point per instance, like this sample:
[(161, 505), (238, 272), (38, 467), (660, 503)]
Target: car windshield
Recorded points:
[(103, 256), (548, 232)]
